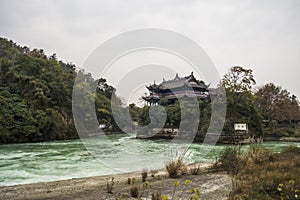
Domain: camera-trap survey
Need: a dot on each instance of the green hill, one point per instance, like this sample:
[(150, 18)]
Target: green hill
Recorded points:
[(35, 96)]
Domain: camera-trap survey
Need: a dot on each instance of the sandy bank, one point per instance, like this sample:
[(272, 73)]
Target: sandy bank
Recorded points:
[(212, 186)]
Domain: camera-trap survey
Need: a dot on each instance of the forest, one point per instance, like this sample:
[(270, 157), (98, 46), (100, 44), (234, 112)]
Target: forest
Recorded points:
[(36, 96), (36, 101)]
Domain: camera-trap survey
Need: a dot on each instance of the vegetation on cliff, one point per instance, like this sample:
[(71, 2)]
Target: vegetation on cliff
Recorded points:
[(36, 96)]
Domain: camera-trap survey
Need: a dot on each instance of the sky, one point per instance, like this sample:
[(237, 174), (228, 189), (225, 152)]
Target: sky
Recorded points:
[(261, 35)]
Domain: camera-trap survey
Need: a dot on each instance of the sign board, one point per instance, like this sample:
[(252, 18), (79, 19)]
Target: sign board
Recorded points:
[(102, 126), (240, 127)]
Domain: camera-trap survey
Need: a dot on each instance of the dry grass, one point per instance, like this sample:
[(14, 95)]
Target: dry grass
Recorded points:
[(176, 168), (134, 191), (195, 170), (156, 196), (144, 175), (110, 185), (258, 174), (229, 160)]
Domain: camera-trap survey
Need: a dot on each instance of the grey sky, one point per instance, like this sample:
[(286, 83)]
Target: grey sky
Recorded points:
[(261, 35)]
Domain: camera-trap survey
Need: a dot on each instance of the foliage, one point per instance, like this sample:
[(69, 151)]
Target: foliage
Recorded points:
[(271, 100), (176, 168), (288, 190), (193, 193), (135, 112), (36, 96), (291, 149), (238, 79), (243, 106), (276, 106), (238, 83), (264, 175), (179, 191), (36, 101), (229, 160)]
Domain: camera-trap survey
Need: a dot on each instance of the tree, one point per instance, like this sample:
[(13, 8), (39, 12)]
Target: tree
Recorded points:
[(238, 79), (275, 103), (238, 83)]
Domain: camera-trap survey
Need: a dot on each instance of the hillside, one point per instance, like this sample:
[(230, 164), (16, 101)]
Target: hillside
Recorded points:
[(36, 96)]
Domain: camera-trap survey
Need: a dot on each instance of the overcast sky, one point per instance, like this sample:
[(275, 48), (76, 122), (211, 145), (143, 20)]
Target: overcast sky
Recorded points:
[(256, 34)]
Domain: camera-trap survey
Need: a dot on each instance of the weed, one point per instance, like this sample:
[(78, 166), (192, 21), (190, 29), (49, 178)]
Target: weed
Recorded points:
[(293, 149), (134, 191), (123, 196), (192, 194), (195, 170), (263, 175), (128, 181), (288, 190), (110, 185), (156, 196), (176, 168), (144, 175), (229, 160)]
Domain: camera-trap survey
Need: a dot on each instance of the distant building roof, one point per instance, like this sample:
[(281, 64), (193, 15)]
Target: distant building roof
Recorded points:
[(178, 87), (178, 82)]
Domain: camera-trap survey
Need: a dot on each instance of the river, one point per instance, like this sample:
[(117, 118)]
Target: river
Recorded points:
[(58, 160)]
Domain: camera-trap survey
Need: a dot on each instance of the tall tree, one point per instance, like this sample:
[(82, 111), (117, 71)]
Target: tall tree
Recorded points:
[(238, 79), (238, 83), (276, 103)]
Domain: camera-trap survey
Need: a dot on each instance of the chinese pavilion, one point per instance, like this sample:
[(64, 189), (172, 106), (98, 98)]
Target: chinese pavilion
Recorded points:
[(179, 87)]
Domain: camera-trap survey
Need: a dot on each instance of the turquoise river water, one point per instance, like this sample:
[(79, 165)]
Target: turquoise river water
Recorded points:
[(50, 161)]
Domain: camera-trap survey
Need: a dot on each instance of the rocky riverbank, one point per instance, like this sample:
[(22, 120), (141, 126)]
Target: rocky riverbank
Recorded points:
[(212, 186)]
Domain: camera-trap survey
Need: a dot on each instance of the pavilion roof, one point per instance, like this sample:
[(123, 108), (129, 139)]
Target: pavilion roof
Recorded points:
[(177, 82)]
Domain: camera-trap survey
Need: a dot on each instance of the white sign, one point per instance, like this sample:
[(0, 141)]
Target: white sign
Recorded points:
[(102, 126), (240, 127)]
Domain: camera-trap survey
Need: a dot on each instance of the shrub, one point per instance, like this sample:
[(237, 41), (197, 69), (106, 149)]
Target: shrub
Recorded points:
[(229, 160), (156, 196), (195, 170), (122, 196), (176, 168), (110, 185), (256, 155), (128, 181), (134, 191), (262, 179), (288, 190), (293, 149), (192, 194), (144, 175)]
